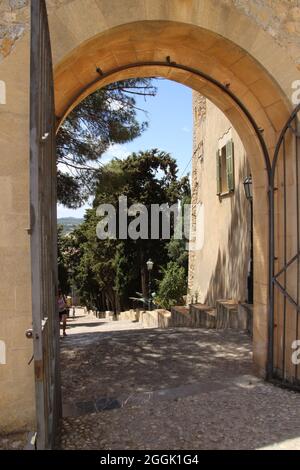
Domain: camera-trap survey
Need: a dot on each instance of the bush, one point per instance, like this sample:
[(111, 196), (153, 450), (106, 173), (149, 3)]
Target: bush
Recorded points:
[(172, 287)]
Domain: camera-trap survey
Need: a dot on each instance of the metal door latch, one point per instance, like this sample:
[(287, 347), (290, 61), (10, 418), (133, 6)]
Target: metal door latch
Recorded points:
[(29, 333)]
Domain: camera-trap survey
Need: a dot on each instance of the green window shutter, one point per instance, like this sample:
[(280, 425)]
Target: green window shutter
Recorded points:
[(230, 165), (218, 165)]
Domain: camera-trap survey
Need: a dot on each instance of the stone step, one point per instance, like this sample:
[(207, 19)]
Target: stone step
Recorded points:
[(203, 316), (228, 314), (235, 315), (180, 317), (194, 316)]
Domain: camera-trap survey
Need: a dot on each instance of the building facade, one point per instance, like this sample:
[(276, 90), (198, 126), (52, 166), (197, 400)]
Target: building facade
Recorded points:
[(219, 263)]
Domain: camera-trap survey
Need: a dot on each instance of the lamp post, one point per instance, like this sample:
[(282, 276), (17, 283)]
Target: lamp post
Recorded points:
[(149, 267), (249, 196)]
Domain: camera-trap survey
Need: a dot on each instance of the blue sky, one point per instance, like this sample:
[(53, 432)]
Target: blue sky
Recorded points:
[(170, 129)]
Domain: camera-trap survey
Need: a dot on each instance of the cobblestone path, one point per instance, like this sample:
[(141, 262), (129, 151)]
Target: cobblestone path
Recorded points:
[(125, 387)]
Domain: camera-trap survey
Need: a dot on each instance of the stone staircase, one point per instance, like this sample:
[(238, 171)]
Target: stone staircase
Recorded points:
[(226, 314), (194, 316)]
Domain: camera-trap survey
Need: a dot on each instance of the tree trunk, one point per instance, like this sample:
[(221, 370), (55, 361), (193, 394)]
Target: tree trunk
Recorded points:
[(117, 303), (143, 276)]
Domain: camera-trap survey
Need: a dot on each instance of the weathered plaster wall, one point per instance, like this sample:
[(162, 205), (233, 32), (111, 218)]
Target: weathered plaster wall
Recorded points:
[(17, 406), (218, 266), (279, 18), (14, 21)]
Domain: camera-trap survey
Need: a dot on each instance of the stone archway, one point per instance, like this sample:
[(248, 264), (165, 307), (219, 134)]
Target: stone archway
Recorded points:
[(132, 53), (225, 42)]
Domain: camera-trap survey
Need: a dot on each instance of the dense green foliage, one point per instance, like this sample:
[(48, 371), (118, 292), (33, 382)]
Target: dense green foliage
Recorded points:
[(109, 272), (107, 117), (173, 286), (62, 260)]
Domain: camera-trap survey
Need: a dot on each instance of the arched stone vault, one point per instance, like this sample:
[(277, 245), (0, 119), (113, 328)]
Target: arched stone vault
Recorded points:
[(185, 44), (226, 39)]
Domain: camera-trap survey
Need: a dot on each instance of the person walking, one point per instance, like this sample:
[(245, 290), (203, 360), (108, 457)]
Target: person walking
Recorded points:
[(62, 310)]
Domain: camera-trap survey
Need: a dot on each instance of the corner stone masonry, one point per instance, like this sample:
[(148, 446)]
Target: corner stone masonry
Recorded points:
[(280, 19)]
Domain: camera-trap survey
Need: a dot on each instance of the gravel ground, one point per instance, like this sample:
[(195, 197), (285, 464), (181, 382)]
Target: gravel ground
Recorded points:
[(170, 389)]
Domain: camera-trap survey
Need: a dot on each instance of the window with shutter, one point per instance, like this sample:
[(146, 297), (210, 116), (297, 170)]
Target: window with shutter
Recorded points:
[(225, 169), (230, 166), (218, 166)]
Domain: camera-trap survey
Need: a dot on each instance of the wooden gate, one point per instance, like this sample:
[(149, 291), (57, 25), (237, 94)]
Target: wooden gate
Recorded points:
[(45, 331), (284, 323)]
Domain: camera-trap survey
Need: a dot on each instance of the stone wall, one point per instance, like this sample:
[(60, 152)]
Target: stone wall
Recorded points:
[(132, 315), (14, 20), (279, 18), (17, 386), (199, 114), (218, 263), (159, 318)]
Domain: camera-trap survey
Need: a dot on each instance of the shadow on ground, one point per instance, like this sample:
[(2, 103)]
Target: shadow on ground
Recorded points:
[(192, 389), (139, 361)]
